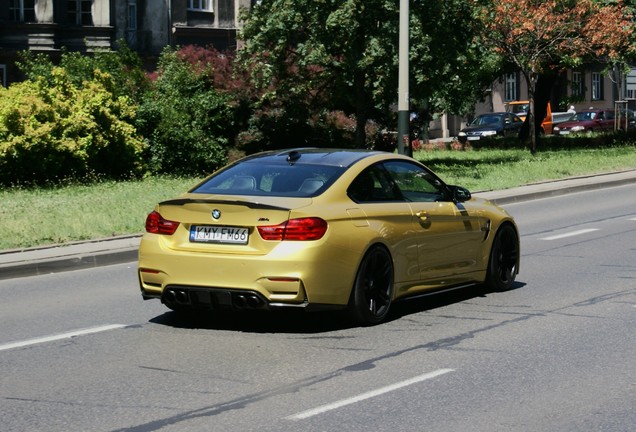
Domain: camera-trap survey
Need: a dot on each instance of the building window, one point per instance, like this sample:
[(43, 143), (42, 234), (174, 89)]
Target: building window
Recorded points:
[(510, 89), (631, 84), (131, 30), (22, 11), (577, 84), (597, 86), (200, 5), (80, 13), (132, 15)]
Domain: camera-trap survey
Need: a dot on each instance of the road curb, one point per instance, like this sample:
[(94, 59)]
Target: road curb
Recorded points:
[(559, 187), (73, 256), (56, 265)]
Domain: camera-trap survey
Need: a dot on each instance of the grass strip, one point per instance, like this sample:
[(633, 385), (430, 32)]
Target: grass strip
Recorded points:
[(34, 217)]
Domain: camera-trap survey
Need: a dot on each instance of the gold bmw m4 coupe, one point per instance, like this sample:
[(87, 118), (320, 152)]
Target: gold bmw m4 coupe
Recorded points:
[(316, 228)]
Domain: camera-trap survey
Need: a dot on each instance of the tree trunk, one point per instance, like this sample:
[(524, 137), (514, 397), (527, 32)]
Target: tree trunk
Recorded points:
[(361, 111), (531, 81), (539, 89), (542, 93)]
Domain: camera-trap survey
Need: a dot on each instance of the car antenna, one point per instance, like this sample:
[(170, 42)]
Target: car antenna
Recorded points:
[(293, 156)]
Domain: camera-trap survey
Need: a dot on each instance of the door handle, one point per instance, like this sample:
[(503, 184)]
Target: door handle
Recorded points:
[(423, 216)]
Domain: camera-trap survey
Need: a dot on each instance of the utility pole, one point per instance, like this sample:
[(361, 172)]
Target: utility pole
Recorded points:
[(403, 137)]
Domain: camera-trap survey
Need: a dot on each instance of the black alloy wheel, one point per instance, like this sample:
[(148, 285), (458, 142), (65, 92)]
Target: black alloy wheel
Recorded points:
[(373, 287), (504, 259)]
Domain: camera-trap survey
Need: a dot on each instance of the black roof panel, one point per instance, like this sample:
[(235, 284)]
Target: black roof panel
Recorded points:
[(313, 156)]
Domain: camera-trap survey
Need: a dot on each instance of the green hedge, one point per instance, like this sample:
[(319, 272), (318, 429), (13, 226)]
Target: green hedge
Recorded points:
[(51, 131)]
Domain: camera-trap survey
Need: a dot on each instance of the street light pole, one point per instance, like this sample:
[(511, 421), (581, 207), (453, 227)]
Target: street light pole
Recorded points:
[(403, 141)]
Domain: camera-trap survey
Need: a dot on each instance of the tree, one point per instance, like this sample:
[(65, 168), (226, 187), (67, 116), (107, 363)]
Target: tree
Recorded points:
[(540, 36), (308, 55), (449, 65), (187, 116)]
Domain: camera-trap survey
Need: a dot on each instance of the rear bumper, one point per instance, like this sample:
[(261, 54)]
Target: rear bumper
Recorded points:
[(216, 298), (293, 275)]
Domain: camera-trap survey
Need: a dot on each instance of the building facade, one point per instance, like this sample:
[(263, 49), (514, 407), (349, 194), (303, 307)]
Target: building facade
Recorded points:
[(85, 25), (585, 88), (582, 88)]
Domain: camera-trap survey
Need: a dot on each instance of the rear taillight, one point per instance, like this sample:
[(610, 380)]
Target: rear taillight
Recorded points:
[(156, 224), (295, 229)]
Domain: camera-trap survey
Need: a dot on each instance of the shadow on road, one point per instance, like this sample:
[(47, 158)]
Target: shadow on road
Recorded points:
[(302, 322)]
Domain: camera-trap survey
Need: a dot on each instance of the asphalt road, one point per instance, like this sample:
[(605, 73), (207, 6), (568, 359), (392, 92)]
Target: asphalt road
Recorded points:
[(81, 351)]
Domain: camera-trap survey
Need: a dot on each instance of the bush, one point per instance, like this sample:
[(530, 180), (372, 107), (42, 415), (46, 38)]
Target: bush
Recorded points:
[(280, 128), (124, 67), (51, 131), (189, 124)]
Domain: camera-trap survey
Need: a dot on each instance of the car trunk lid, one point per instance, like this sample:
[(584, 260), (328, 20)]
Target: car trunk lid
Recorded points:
[(225, 224)]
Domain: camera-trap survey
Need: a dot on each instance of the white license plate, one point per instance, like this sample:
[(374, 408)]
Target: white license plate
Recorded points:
[(565, 132), (218, 234), (473, 138)]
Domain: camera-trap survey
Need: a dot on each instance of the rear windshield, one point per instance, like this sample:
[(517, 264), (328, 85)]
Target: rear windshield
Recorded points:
[(258, 178)]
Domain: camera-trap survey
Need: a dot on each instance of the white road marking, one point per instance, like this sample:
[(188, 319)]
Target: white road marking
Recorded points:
[(68, 335), (570, 234), (367, 395)]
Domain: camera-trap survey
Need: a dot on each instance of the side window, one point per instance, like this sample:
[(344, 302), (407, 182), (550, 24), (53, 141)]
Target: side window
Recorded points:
[(373, 185), (415, 182)]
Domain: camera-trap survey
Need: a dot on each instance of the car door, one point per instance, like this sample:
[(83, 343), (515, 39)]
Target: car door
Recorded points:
[(447, 235), (607, 122), (380, 207), (512, 125)]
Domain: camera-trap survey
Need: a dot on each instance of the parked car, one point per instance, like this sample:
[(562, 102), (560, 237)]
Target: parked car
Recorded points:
[(587, 121), (521, 109), (316, 228), (491, 125)]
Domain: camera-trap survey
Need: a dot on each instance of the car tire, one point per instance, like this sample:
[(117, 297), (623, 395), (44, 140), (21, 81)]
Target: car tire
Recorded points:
[(503, 264), (372, 291)]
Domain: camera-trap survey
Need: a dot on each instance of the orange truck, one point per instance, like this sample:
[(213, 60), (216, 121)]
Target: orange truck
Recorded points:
[(521, 109)]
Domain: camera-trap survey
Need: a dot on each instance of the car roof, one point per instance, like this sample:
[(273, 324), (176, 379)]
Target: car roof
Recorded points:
[(312, 156)]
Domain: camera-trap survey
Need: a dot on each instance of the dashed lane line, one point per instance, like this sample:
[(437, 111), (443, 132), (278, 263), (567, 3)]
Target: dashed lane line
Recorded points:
[(570, 234), (335, 405), (60, 336)]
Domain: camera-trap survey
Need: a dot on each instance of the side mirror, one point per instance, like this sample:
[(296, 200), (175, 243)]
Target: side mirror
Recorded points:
[(460, 194)]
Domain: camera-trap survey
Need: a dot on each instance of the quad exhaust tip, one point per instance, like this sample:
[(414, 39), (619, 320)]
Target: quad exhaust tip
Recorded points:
[(239, 301), (177, 296), (246, 301)]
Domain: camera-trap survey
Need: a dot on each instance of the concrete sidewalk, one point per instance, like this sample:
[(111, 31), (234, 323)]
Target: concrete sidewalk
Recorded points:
[(78, 255)]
